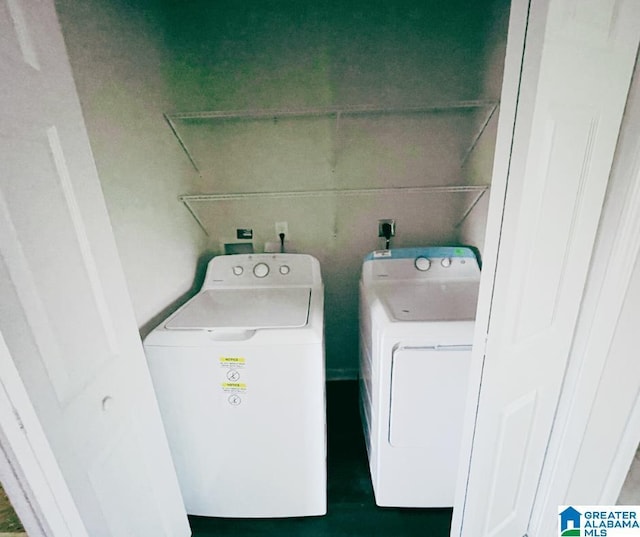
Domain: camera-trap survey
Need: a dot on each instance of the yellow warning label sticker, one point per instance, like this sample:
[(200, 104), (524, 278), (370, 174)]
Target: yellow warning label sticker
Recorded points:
[(231, 360)]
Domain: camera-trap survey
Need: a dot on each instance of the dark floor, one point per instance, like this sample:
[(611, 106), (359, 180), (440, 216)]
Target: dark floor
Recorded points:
[(351, 508)]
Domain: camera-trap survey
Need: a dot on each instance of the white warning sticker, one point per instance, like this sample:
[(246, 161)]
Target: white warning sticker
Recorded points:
[(382, 253), (232, 361), (234, 386)]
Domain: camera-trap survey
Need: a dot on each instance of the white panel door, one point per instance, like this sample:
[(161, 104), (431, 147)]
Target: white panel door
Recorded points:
[(65, 312), (578, 62)]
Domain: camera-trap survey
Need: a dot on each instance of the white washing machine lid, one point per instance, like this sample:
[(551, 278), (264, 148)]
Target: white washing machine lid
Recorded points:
[(430, 300), (245, 308)]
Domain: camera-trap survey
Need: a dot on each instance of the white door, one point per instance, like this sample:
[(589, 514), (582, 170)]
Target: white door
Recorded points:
[(65, 314), (578, 62)]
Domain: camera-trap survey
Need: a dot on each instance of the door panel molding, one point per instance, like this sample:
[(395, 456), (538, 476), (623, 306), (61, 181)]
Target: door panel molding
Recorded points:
[(575, 83), (612, 273), (80, 229)]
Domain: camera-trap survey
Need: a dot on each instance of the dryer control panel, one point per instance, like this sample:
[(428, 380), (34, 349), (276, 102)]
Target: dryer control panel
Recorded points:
[(269, 270), (429, 263)]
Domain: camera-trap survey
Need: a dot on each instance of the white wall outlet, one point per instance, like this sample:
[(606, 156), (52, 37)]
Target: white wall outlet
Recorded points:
[(282, 227)]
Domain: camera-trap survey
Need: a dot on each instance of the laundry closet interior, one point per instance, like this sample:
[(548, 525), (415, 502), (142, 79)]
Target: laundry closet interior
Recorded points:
[(324, 115), (207, 118)]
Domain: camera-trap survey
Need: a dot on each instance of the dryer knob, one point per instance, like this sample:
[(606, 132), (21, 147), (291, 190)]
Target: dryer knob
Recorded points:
[(238, 270), (261, 270), (284, 270), (446, 262), (422, 263)]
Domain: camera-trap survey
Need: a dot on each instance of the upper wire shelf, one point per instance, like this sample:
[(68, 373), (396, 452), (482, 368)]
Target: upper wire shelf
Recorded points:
[(338, 112)]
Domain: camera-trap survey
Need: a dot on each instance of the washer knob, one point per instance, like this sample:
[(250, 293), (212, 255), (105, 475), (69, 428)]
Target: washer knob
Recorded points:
[(238, 270), (261, 270), (284, 269), (446, 262), (422, 263)]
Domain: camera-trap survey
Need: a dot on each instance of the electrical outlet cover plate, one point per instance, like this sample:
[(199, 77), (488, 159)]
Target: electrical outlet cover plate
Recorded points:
[(282, 227)]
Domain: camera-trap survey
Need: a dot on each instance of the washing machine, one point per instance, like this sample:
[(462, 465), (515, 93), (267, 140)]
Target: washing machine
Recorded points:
[(239, 377), (417, 310)]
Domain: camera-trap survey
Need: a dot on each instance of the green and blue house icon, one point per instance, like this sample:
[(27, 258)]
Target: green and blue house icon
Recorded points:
[(570, 522)]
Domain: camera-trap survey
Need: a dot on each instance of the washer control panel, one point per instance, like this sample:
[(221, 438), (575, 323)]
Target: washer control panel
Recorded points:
[(262, 269)]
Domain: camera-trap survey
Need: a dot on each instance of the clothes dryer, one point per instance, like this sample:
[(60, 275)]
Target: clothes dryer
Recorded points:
[(417, 310), (239, 376)]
